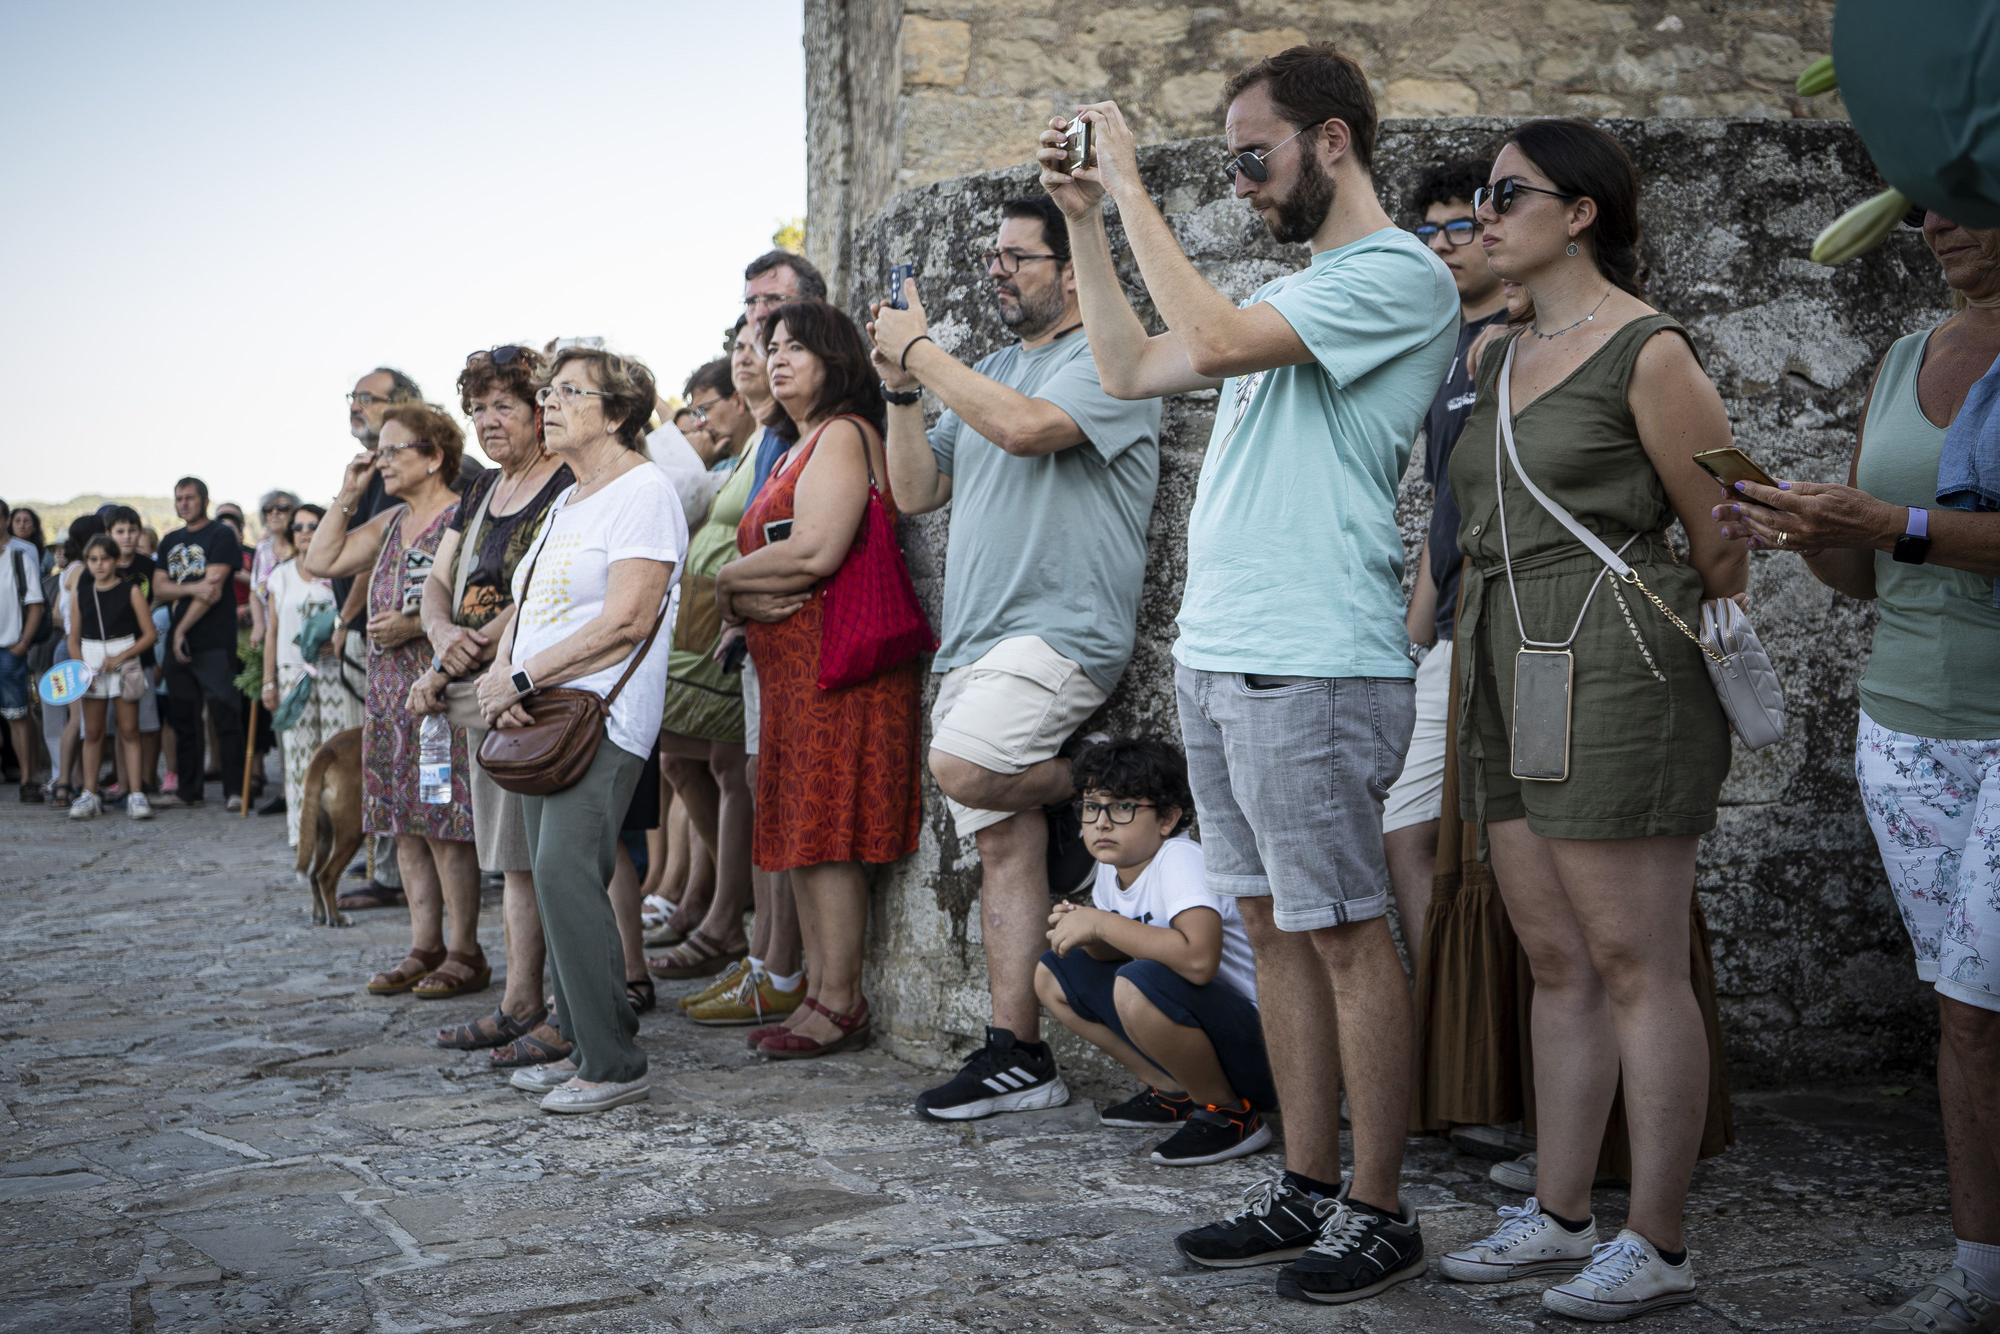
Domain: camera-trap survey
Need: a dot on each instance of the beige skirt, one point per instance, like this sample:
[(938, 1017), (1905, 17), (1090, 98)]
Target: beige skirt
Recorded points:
[(499, 825)]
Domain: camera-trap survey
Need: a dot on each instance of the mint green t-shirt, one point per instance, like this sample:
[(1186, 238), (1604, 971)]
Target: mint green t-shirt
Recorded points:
[(1053, 546), (1294, 559)]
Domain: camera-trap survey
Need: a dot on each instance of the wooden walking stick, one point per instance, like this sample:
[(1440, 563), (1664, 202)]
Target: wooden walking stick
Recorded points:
[(249, 758)]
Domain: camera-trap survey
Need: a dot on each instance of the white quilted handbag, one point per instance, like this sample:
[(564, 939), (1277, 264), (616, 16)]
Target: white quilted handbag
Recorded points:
[(1745, 681)]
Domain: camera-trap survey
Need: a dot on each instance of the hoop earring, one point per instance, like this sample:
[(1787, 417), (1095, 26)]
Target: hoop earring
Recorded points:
[(1570, 250)]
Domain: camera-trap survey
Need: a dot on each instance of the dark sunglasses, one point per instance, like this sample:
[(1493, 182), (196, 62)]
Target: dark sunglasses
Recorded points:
[(504, 355), (305, 527), (1500, 197), (1458, 232), (1253, 165), (1915, 217)]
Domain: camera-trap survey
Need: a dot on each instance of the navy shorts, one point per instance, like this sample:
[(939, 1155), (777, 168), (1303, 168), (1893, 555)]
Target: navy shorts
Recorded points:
[(1219, 1010), (15, 687)]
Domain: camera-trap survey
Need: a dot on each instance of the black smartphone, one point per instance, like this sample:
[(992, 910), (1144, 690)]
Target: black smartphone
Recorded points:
[(733, 656), (777, 530)]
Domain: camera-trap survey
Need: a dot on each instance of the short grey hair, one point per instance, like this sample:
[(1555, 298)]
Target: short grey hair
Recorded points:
[(285, 498)]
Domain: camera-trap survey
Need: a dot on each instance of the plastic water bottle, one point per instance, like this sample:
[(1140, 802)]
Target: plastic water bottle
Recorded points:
[(434, 761)]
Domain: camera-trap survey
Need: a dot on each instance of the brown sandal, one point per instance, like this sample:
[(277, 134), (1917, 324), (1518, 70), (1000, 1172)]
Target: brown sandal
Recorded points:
[(458, 975), (697, 956), (414, 968), (787, 1045), (539, 1047)]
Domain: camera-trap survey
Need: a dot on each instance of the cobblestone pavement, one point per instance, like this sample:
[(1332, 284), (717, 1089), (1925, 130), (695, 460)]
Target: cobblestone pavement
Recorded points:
[(209, 1125)]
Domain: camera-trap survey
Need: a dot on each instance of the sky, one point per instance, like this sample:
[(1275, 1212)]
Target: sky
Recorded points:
[(218, 215)]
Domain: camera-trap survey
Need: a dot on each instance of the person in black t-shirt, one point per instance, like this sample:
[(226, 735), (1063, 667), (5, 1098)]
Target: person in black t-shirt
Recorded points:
[(126, 530), (1442, 203), (110, 627), (198, 562)]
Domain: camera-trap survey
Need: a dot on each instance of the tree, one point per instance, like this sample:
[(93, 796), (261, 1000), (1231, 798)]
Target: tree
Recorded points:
[(791, 235)]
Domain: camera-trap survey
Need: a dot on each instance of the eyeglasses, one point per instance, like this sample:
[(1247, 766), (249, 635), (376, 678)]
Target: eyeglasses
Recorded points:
[(278, 509), (1500, 195), (504, 355), (1915, 217), (388, 453), (1252, 164), (361, 398), (569, 393), (305, 527), (1009, 261), (766, 299), (1457, 232), (1121, 812), (701, 410)]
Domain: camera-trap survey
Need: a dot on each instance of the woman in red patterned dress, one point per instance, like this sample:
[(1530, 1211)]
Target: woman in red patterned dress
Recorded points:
[(837, 779)]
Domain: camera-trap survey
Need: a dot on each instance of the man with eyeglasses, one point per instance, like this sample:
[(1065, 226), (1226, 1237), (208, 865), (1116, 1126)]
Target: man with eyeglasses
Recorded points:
[(1291, 667), (719, 414), (1442, 200), (1051, 483)]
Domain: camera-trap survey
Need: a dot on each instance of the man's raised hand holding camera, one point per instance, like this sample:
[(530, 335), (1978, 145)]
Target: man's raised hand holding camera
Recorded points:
[(1291, 674), (1051, 481)]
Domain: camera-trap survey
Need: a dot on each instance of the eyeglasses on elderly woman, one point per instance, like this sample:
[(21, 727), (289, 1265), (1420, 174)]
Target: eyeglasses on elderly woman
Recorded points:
[(569, 393)]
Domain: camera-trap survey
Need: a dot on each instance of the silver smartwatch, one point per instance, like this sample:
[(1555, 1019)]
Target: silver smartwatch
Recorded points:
[(522, 684)]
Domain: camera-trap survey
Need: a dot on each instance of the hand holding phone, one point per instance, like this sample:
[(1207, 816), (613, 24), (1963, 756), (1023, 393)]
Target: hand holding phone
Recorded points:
[(898, 273), (1730, 466)]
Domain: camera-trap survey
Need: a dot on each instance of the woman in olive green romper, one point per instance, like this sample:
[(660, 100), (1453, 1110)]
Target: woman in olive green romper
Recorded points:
[(1595, 868)]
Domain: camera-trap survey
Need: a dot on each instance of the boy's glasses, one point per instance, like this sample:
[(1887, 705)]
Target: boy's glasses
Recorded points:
[(1458, 232), (1121, 812)]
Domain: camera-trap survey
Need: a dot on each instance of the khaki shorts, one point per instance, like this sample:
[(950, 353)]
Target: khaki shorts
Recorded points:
[(1011, 709)]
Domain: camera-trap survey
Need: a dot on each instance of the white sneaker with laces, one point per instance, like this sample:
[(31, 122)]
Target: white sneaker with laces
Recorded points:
[(1625, 1277), (85, 806), (137, 807), (1527, 1242)]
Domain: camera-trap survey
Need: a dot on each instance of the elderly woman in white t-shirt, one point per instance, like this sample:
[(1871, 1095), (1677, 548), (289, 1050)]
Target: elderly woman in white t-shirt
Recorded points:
[(592, 592)]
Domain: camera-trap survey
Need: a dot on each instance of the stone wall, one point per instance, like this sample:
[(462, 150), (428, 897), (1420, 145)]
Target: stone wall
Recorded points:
[(902, 93), (1813, 967)]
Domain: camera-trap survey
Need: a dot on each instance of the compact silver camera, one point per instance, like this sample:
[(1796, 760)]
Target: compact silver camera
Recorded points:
[(1082, 152)]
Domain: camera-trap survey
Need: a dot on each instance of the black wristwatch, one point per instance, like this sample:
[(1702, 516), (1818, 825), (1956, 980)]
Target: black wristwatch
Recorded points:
[(522, 684), (1914, 546), (902, 398)]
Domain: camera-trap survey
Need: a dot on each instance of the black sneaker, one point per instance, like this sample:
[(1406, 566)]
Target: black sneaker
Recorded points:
[(1280, 1222), (32, 795), (1148, 1109), (999, 1077), (1214, 1135), (1358, 1254)]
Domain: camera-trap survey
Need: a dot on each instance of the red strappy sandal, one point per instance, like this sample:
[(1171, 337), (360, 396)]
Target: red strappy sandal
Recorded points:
[(794, 1046)]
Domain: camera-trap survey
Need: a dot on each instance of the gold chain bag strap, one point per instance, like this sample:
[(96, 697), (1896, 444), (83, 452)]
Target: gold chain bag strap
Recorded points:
[(554, 750), (1745, 682)]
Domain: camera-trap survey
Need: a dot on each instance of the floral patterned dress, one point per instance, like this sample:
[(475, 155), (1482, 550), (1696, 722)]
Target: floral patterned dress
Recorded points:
[(389, 802), (837, 770)]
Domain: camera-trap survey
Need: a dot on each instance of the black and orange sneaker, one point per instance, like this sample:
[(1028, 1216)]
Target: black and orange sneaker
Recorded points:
[(1148, 1109), (1214, 1135)]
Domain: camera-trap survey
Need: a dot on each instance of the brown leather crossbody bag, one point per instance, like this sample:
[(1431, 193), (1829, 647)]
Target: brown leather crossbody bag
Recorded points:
[(554, 750)]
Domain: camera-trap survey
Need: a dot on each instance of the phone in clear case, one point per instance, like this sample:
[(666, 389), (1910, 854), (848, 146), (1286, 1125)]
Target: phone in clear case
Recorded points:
[(1542, 679)]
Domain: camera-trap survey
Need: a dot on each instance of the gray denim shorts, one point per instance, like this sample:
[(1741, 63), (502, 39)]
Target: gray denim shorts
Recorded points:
[(1289, 774)]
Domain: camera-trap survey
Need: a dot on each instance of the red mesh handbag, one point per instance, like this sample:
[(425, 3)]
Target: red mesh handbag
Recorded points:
[(870, 619)]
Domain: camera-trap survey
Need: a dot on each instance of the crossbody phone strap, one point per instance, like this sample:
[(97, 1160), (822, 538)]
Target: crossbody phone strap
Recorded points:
[(1613, 560), (468, 546)]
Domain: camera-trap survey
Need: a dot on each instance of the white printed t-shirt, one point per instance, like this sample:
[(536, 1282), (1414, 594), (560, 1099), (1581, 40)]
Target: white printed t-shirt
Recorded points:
[(20, 582), (635, 517), (1174, 881)]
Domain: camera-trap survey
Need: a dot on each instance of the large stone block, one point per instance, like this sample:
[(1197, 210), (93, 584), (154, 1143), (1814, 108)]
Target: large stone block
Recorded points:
[(935, 51), (1810, 959)]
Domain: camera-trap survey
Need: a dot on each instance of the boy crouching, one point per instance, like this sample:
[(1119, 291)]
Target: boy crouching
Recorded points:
[(1157, 972)]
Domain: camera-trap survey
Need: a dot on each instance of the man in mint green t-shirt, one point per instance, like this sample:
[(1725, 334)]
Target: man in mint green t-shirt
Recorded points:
[(1292, 674)]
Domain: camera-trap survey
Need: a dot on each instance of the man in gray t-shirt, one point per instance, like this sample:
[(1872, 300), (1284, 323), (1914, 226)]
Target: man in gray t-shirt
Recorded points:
[(1053, 483)]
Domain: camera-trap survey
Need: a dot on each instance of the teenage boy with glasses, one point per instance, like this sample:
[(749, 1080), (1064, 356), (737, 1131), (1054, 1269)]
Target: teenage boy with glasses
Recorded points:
[(1051, 484), (1293, 678)]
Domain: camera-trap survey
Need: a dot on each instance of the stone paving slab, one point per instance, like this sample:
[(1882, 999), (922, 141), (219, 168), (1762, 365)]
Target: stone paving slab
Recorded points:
[(208, 1125)]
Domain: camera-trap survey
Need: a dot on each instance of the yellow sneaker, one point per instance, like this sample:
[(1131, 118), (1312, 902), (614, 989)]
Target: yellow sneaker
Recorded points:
[(753, 1001), (731, 979)]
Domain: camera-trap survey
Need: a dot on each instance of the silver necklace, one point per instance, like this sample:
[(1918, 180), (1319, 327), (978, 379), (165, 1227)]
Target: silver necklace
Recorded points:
[(1545, 337)]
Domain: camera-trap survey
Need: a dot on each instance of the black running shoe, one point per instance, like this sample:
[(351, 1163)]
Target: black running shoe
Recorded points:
[(1279, 1222), (1358, 1254), (1214, 1135), (1148, 1109), (999, 1077), (1071, 867)]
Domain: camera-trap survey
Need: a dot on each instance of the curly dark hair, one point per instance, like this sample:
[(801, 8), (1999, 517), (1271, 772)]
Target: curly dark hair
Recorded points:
[(520, 375), (851, 383), (1445, 181), (1138, 769)]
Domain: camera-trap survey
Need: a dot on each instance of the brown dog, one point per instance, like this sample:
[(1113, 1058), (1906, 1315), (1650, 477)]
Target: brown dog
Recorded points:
[(330, 822)]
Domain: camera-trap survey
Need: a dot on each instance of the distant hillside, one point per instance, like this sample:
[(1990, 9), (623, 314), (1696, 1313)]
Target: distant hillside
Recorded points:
[(156, 511)]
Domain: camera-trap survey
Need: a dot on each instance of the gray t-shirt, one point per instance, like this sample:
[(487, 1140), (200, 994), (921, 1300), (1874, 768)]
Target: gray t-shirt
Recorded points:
[(1053, 546)]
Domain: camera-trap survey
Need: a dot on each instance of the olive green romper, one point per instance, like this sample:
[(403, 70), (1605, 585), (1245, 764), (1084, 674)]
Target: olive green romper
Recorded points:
[(1649, 745)]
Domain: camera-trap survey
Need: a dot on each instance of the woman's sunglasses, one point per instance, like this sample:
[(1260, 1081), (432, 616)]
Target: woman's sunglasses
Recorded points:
[(1500, 196), (504, 355)]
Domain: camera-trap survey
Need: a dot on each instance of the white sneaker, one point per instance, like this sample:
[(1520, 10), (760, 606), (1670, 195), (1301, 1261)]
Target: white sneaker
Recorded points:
[(1625, 1277), (1948, 1304), (1527, 1242), (542, 1078), (86, 806), (576, 1097), (1514, 1173), (137, 807)]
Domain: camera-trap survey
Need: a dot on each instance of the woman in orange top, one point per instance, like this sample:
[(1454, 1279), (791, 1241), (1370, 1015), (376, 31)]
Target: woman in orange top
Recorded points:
[(837, 778)]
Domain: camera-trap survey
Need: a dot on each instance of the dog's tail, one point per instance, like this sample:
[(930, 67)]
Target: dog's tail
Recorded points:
[(309, 821)]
